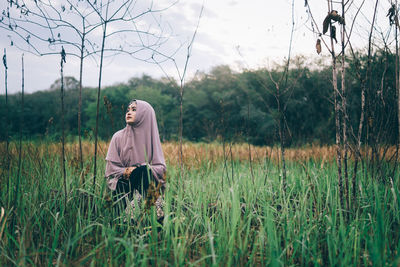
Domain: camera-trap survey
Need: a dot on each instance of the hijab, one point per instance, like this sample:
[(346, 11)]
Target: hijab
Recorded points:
[(137, 144)]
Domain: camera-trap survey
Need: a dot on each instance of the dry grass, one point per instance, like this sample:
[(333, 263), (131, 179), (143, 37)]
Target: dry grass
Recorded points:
[(194, 154), (198, 154)]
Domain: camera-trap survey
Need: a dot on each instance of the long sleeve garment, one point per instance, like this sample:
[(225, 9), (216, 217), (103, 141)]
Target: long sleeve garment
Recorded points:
[(136, 144)]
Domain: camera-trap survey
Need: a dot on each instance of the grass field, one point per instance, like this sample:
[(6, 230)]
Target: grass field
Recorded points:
[(222, 210)]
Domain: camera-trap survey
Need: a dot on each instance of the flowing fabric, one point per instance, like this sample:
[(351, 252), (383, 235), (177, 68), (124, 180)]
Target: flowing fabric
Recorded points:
[(136, 145)]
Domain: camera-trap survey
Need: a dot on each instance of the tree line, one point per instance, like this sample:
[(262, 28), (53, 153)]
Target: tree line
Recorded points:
[(223, 105)]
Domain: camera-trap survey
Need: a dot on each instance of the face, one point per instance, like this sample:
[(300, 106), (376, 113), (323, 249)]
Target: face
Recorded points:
[(130, 113)]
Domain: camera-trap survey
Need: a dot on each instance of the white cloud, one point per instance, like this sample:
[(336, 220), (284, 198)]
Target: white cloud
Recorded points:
[(248, 33)]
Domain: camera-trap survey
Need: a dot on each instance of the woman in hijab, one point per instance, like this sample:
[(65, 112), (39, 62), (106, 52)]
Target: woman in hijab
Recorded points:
[(135, 156)]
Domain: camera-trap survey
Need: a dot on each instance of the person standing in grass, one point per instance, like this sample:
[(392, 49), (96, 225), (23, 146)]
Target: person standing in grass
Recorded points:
[(135, 160)]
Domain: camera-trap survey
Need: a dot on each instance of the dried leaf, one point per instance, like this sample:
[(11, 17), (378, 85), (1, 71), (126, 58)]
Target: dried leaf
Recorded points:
[(391, 14), (333, 15), (326, 23), (318, 46), (336, 17), (333, 33)]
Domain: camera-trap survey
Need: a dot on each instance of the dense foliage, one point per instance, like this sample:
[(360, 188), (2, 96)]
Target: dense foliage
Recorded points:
[(238, 106)]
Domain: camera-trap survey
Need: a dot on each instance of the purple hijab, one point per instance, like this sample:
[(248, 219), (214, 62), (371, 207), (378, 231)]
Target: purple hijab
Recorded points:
[(138, 143)]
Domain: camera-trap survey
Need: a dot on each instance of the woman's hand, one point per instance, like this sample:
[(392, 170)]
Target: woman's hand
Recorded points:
[(127, 172)]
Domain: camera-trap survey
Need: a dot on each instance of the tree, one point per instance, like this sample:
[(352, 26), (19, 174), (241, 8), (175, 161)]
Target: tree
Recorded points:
[(332, 19), (111, 13), (182, 76), (73, 24), (69, 84), (371, 91)]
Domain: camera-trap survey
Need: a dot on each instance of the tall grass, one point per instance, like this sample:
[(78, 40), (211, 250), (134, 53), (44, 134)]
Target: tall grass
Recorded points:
[(237, 222)]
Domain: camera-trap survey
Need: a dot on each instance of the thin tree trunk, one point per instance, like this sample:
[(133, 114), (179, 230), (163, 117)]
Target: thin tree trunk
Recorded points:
[(225, 168), (344, 110), (21, 126), (337, 125), (181, 127), (80, 99), (80, 108), (62, 127), (397, 87), (182, 80), (281, 126), (338, 134), (98, 104), (362, 115), (222, 133), (358, 148), (336, 93), (248, 143), (7, 122), (281, 111), (397, 73), (230, 151), (16, 195)]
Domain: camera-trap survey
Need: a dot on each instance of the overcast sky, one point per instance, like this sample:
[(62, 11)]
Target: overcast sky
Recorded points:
[(239, 33)]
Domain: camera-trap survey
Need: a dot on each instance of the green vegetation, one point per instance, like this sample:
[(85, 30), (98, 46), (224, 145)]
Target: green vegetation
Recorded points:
[(211, 217), (236, 106)]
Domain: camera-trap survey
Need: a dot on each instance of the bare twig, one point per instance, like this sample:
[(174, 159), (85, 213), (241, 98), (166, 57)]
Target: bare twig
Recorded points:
[(182, 77)]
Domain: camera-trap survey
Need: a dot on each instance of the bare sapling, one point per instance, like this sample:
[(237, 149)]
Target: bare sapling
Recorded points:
[(111, 13), (394, 20), (22, 21), (398, 71), (75, 27), (345, 119), (21, 121), (333, 19), (98, 102), (363, 81), (63, 60), (182, 79), (282, 94), (7, 122), (248, 142)]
